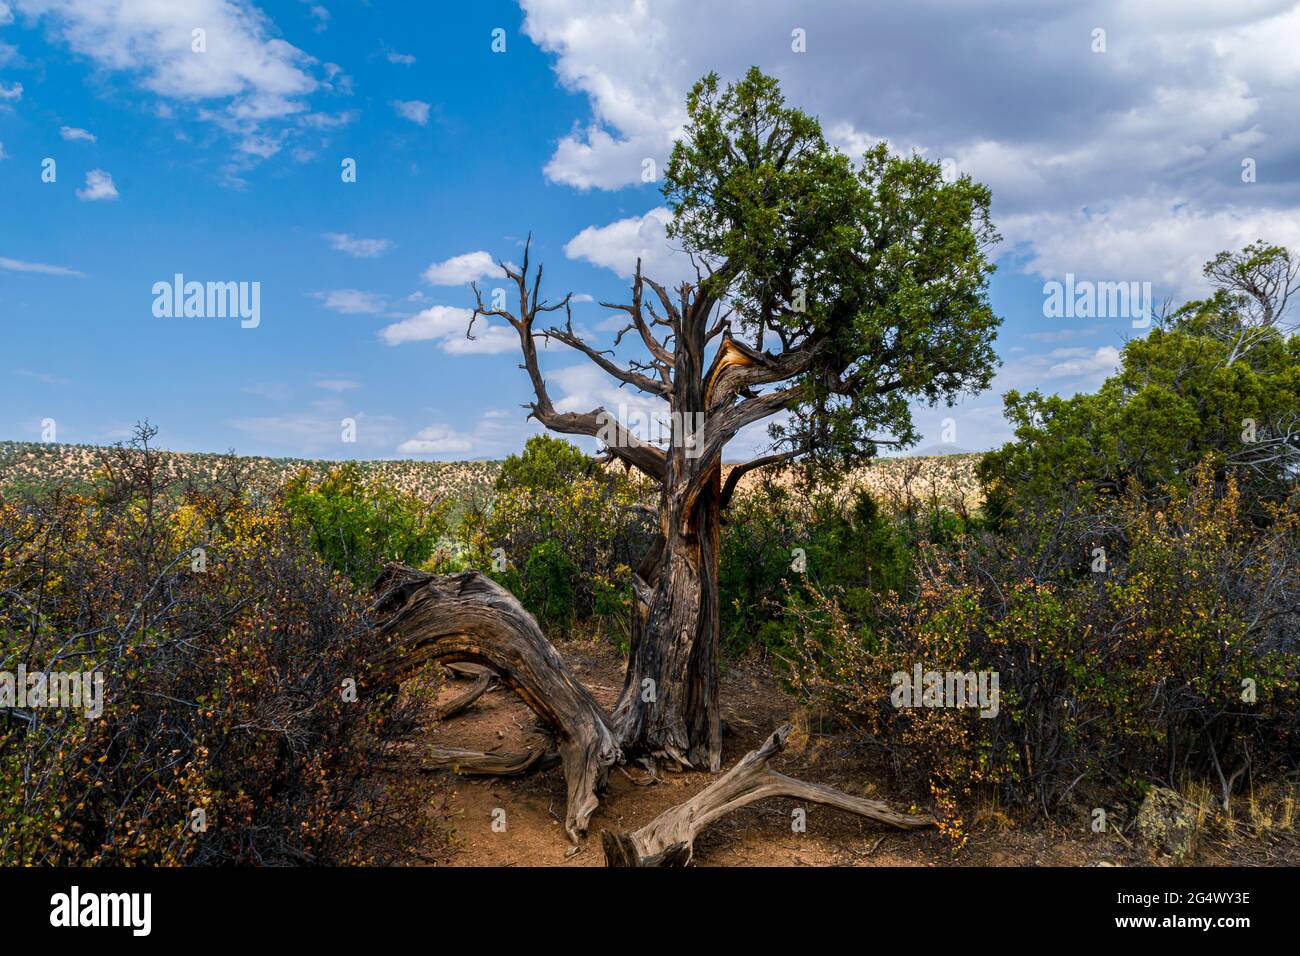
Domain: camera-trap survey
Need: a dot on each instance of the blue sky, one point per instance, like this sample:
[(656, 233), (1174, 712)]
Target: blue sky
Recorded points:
[(224, 165)]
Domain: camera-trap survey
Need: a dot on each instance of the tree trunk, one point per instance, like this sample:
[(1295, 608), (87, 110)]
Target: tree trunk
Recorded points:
[(468, 617), (669, 705)]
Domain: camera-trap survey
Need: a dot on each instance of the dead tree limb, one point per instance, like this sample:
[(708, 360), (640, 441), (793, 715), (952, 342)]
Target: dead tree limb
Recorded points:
[(468, 617), (470, 763), (669, 839)]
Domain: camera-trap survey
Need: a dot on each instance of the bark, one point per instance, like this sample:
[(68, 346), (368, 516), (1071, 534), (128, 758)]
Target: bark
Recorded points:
[(470, 618), (470, 763), (669, 707), (669, 839)]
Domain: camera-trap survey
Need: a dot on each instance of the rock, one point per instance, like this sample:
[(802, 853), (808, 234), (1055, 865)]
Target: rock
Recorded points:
[(1165, 822)]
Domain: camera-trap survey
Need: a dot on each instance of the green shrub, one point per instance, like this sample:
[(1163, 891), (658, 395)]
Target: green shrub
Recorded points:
[(840, 541), (1215, 380), (567, 532), (357, 527), (546, 464)]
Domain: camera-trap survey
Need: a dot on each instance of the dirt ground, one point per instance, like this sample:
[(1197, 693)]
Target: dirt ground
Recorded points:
[(754, 704)]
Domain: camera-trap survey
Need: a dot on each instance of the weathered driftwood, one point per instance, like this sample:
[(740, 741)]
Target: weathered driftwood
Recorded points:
[(668, 839), (471, 763), (470, 618)]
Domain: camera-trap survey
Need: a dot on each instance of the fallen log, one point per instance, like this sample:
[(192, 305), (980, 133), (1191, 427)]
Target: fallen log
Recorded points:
[(470, 763), (470, 618), (669, 839)]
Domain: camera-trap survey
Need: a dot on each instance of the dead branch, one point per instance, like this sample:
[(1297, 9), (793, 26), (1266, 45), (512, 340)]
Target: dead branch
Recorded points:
[(477, 690), (469, 763), (668, 839)]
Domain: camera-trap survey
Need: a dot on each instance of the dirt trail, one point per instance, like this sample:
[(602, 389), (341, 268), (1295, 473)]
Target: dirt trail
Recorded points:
[(761, 835), (534, 805)]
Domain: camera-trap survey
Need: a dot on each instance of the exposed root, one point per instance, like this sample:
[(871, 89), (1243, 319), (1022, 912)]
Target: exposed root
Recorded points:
[(669, 839), (465, 700)]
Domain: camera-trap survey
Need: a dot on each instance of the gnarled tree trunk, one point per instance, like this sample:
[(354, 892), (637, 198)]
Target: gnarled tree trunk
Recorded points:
[(468, 617), (669, 706)]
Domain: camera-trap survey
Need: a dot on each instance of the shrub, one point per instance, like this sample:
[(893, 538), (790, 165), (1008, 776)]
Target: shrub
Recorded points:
[(357, 527), (843, 541), (1215, 380), (224, 672), (1107, 678), (546, 464), (568, 532)]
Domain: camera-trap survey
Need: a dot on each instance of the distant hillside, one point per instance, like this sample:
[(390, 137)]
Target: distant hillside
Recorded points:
[(37, 465), (948, 480)]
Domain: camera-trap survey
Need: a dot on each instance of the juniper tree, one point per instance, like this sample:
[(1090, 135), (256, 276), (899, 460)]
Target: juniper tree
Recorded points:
[(828, 296)]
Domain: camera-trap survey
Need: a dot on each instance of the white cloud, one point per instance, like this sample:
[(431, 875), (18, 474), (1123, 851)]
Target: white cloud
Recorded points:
[(250, 75), (1101, 362), (618, 245), (1144, 240), (436, 439), (435, 322), (73, 133), (12, 93), (1098, 146), (496, 433), (461, 270), (417, 111), (351, 301), (489, 339), (99, 186), (17, 265), (337, 384), (43, 377), (3, 154), (356, 247), (405, 59), (6, 14), (582, 388), (275, 391), (446, 325), (312, 434)]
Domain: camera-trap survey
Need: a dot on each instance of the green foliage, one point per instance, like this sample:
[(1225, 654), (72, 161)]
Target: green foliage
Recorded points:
[(843, 541), (1107, 678), (223, 684), (569, 532), (1211, 381), (358, 526), (876, 271), (549, 585), (546, 464)]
